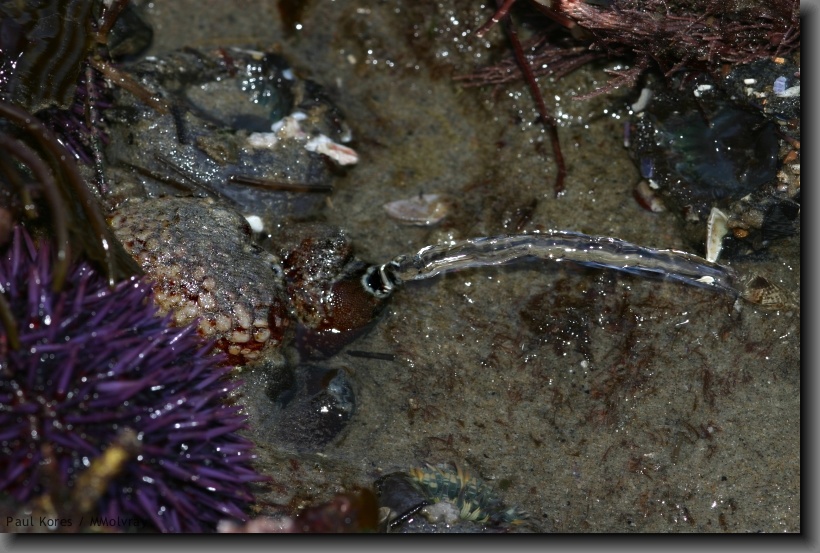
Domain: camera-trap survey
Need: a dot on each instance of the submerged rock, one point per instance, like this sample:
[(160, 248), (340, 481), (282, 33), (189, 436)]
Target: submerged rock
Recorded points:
[(703, 144)]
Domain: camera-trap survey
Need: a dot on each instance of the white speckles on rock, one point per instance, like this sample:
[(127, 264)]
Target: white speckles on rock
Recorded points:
[(151, 243), (206, 301)]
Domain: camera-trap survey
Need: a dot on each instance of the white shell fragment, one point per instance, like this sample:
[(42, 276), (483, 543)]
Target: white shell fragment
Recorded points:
[(255, 222), (700, 89), (262, 140), (646, 196), (421, 210), (779, 85), (289, 127), (643, 100), (791, 92), (286, 127), (337, 152), (716, 229)]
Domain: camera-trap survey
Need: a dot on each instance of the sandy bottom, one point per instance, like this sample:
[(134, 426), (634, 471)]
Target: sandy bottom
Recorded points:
[(595, 401)]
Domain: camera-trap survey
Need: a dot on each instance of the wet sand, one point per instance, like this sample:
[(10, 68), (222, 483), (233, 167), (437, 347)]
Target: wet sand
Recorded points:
[(595, 401)]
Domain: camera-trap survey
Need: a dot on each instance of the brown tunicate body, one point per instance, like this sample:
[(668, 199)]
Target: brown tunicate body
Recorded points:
[(329, 304), (205, 266)]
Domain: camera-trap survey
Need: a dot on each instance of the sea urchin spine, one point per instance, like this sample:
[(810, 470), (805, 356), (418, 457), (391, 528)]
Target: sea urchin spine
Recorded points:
[(95, 361)]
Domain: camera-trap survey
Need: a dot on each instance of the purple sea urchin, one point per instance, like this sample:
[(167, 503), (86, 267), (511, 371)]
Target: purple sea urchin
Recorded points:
[(94, 362)]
